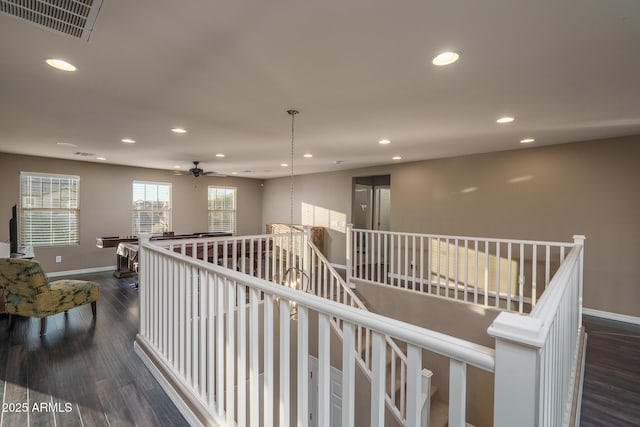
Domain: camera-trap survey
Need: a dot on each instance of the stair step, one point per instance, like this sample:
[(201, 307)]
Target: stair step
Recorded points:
[(439, 415)]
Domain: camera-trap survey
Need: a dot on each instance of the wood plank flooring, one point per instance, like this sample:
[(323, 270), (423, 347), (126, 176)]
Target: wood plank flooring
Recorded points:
[(611, 393), (82, 372)]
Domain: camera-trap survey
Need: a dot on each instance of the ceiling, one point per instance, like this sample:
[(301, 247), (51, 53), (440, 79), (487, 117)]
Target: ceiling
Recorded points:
[(358, 71)]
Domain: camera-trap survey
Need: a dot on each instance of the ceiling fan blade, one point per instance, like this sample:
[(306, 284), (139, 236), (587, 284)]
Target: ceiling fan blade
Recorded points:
[(211, 173)]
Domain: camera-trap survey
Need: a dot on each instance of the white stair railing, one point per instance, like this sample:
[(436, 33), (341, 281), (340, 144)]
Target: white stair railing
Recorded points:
[(291, 259), (504, 273), (537, 355), (325, 282), (209, 331)]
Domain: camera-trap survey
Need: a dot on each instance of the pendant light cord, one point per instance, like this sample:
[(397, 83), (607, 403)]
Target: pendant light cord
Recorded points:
[(292, 113)]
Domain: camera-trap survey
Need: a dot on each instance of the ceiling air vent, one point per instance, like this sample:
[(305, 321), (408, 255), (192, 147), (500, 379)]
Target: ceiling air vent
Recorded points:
[(74, 18)]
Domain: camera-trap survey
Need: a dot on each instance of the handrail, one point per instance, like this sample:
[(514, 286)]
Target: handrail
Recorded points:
[(548, 303), (464, 351), (334, 273), (483, 239), (167, 242), (396, 353)]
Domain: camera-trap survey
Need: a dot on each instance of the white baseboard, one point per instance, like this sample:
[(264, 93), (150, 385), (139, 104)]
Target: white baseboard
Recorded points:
[(81, 271), (611, 316), (339, 266), (166, 385)]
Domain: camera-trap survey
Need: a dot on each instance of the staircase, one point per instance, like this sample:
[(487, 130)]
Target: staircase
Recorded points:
[(439, 410), (327, 283)]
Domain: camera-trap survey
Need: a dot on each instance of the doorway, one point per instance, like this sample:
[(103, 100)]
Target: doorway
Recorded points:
[(371, 208), (335, 387)]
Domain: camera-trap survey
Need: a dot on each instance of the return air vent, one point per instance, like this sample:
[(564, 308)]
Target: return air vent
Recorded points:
[(74, 18)]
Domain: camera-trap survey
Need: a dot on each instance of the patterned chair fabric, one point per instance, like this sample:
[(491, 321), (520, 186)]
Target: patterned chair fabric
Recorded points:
[(27, 292)]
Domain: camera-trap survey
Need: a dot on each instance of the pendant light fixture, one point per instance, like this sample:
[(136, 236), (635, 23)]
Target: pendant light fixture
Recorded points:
[(294, 277)]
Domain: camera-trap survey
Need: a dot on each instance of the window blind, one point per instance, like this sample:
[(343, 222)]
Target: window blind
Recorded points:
[(222, 209), (151, 209), (49, 209)]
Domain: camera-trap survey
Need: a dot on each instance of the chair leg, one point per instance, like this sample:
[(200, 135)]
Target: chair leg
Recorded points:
[(43, 325), (12, 321), (93, 308)]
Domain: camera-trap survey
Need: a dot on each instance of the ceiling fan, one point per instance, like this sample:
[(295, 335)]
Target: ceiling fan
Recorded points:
[(196, 171)]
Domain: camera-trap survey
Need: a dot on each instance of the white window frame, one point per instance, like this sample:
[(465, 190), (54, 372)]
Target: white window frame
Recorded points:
[(32, 233), (167, 210), (211, 226)]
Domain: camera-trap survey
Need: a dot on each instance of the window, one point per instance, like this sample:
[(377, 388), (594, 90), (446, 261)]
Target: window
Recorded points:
[(222, 209), (151, 210), (49, 209)]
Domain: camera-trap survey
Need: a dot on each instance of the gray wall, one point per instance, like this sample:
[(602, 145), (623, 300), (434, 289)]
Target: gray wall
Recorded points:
[(585, 188), (105, 204)]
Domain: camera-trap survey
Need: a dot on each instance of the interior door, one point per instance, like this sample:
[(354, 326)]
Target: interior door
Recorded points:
[(335, 387)]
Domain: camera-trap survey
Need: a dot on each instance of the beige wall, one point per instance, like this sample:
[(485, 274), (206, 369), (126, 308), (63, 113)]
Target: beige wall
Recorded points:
[(105, 204), (450, 317), (585, 188)]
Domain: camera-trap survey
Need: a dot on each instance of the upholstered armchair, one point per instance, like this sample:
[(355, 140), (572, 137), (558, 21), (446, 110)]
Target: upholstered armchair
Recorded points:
[(27, 292)]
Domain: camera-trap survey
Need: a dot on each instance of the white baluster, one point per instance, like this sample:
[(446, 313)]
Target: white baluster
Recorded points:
[(242, 351), (414, 385), (303, 367), (230, 353), (268, 388), (285, 338), (457, 393), (254, 358), (378, 380), (348, 375), (349, 253), (324, 370)]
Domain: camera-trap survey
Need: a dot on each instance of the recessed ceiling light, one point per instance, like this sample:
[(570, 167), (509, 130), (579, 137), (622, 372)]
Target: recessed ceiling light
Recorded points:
[(59, 64), (219, 155), (526, 140), (179, 130), (66, 144), (396, 158), (128, 141), (384, 142), (234, 173), (446, 58), (101, 158), (505, 120), (284, 165), (176, 167), (308, 155)]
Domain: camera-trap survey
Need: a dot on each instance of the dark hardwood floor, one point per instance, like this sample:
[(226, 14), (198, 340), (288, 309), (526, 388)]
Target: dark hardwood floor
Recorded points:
[(82, 372), (611, 393)]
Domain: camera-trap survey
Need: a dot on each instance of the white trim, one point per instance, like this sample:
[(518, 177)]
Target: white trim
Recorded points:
[(50, 175), (81, 271), (339, 266), (183, 408), (611, 316)]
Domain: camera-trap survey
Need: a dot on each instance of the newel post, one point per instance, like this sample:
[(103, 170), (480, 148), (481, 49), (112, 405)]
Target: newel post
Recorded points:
[(349, 253), (517, 371), (579, 239), (143, 239)]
